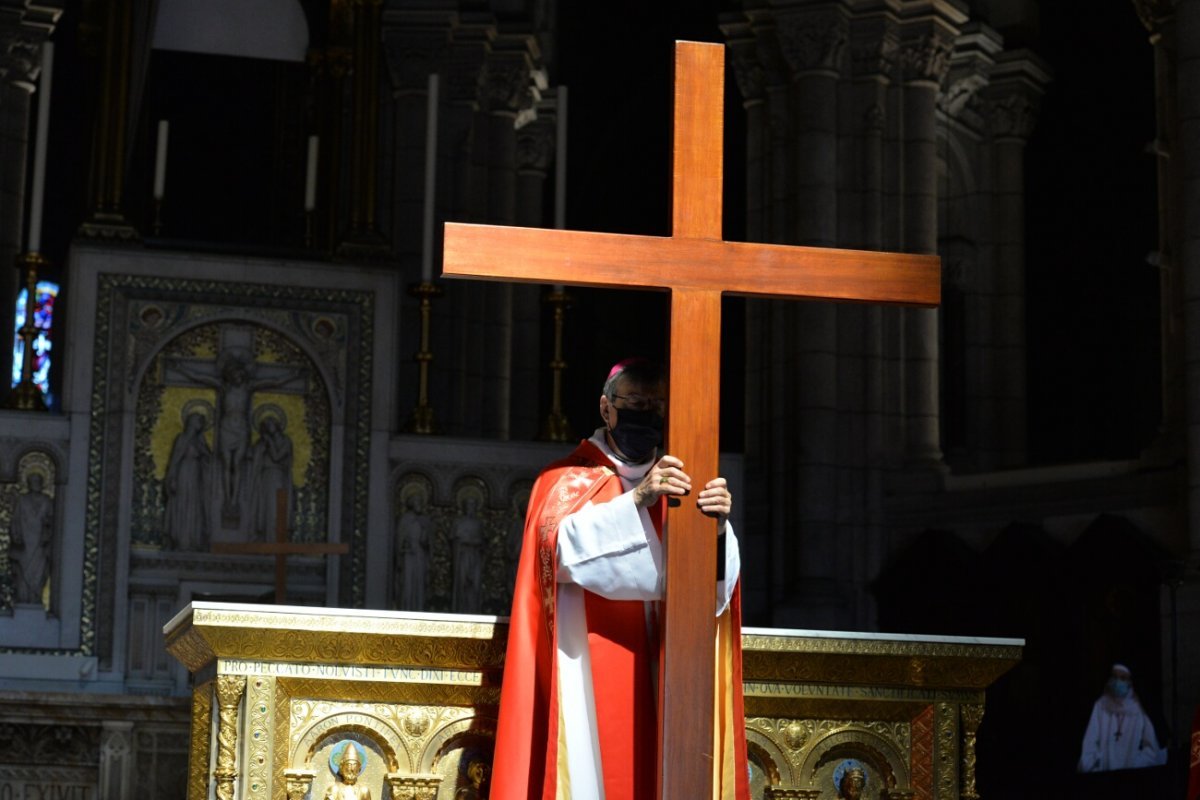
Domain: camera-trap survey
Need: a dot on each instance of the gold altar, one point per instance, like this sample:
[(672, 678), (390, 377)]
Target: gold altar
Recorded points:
[(280, 692)]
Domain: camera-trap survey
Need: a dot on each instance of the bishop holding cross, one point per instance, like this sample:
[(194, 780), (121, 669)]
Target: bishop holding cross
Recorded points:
[(578, 704)]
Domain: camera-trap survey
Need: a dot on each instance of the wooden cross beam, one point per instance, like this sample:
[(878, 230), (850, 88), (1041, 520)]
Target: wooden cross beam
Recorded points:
[(696, 267), (282, 547)]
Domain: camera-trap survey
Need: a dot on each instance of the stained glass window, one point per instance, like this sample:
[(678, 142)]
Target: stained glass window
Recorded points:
[(43, 316)]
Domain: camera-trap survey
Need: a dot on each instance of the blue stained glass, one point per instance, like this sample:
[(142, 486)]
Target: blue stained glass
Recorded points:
[(43, 319)]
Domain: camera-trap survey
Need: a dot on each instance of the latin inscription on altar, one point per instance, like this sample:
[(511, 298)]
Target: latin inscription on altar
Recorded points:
[(284, 669), (35, 790)]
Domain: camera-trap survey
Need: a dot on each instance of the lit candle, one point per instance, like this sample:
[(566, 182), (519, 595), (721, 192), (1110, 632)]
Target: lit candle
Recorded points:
[(560, 167), (39, 148), (310, 174), (430, 179), (160, 159)]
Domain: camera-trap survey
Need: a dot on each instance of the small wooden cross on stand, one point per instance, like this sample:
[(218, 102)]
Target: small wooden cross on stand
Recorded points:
[(282, 547), (696, 267)]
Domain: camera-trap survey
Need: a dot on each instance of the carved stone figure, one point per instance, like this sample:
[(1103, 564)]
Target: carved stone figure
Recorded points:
[(270, 472), (468, 540), (412, 554), (31, 541), (347, 760), (187, 488), (235, 385)]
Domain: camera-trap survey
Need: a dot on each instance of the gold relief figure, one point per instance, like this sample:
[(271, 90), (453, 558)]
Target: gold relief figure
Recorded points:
[(478, 774), (31, 539), (850, 779), (347, 761)]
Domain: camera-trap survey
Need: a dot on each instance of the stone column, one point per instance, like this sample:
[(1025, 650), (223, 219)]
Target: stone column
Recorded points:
[(116, 760), (363, 239), (926, 44), (106, 219), (873, 57), (1159, 18), (813, 42), (505, 92), (1187, 35), (530, 394), (748, 60), (19, 68), (1017, 83)]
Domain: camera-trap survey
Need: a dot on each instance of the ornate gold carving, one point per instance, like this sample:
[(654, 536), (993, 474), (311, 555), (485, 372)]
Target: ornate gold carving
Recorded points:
[(201, 740), (313, 722), (796, 733), (413, 787), (946, 749), (388, 639), (780, 793), (297, 782), (230, 689), (260, 704), (972, 715)]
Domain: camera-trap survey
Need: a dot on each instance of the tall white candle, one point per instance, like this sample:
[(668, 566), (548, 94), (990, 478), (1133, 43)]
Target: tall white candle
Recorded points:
[(310, 174), (160, 159), (431, 124), (39, 148), (560, 166)]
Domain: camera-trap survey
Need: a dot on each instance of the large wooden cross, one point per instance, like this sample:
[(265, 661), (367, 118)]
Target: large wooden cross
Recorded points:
[(282, 547), (696, 267)]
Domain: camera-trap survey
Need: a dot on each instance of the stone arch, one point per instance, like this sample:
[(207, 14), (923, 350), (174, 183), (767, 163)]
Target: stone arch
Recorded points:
[(364, 727)]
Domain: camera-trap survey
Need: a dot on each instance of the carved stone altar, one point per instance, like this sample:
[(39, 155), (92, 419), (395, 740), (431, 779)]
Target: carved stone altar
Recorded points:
[(277, 690)]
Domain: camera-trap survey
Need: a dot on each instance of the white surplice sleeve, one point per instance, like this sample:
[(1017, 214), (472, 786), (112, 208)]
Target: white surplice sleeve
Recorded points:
[(611, 549)]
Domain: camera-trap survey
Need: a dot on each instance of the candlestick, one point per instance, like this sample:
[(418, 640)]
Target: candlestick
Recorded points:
[(560, 167), (310, 174), (431, 123), (26, 396), (39, 149), (556, 428), (160, 159), (421, 420)]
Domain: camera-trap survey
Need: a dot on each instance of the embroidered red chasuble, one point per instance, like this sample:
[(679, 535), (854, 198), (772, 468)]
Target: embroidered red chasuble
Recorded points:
[(530, 759)]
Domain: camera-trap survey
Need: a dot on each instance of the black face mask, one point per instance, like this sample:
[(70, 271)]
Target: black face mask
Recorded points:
[(637, 433)]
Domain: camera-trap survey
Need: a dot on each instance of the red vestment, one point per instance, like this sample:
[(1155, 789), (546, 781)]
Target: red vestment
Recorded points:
[(529, 749)]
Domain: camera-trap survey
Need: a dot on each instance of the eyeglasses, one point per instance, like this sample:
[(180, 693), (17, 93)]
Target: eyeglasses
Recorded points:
[(639, 402)]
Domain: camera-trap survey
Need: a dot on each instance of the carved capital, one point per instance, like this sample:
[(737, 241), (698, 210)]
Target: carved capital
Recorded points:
[(506, 82), (1155, 14), (813, 41), (1012, 116), (413, 787), (297, 782), (743, 52), (926, 57), (230, 689), (874, 47), (20, 57)]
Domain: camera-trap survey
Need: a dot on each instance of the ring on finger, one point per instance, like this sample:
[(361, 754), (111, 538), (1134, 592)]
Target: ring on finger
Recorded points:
[(665, 479)]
